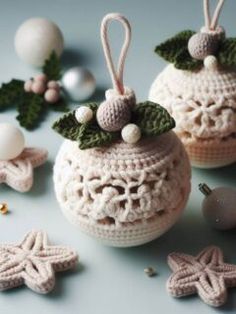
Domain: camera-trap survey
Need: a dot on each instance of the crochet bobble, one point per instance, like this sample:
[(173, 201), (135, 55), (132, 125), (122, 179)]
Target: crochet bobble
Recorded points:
[(201, 45), (113, 114), (41, 86)]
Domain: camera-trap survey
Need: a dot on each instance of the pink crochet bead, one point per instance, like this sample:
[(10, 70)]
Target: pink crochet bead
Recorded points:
[(38, 87), (52, 95)]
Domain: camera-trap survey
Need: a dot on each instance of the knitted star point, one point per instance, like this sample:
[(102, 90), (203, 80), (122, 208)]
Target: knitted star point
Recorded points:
[(206, 274), (19, 172), (33, 262)]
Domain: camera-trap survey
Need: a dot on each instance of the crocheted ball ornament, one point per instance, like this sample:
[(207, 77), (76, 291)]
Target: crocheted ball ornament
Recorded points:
[(201, 97), (131, 185), (123, 195)]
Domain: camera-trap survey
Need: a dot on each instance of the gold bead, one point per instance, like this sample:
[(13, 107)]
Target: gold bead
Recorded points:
[(150, 271), (3, 208)]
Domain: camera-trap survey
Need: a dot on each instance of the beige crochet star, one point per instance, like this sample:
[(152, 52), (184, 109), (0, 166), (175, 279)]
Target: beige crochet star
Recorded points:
[(205, 274), (19, 172), (34, 262)]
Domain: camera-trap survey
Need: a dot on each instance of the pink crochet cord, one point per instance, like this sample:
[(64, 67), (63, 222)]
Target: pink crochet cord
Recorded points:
[(116, 76), (211, 23)]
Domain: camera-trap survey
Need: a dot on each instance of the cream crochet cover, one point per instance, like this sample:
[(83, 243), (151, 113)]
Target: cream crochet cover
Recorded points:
[(125, 194), (203, 105)]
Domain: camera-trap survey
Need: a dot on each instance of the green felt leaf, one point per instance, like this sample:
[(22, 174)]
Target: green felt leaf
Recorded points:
[(92, 136), (52, 67), (10, 93), (171, 48), (68, 126), (227, 52), (30, 107), (152, 118), (60, 106), (184, 61)]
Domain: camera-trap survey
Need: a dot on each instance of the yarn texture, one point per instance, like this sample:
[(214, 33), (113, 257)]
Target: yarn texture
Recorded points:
[(124, 194), (19, 172), (33, 262), (206, 274), (203, 104)]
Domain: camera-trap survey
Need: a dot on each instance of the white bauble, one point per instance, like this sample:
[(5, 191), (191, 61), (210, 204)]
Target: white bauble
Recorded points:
[(35, 40), (83, 114), (78, 83), (12, 141), (131, 133)]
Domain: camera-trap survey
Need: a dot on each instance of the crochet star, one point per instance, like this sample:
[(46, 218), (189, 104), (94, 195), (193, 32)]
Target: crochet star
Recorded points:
[(205, 274), (19, 172), (33, 262)]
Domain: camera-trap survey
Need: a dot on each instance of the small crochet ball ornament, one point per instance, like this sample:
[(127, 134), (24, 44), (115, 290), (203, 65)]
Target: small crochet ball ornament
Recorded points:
[(198, 89), (123, 176)]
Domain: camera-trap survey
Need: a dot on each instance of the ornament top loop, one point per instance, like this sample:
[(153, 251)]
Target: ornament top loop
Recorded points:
[(116, 75), (211, 23)]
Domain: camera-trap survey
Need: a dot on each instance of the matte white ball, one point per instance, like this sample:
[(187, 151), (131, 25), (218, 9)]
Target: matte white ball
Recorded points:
[(78, 83), (12, 141), (36, 38), (83, 114), (131, 133), (211, 63)]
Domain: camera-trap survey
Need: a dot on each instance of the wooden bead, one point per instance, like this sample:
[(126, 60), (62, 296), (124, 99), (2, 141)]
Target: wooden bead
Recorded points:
[(3, 208)]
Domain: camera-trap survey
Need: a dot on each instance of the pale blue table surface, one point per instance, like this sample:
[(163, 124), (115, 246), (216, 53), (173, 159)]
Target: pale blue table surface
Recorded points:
[(109, 280)]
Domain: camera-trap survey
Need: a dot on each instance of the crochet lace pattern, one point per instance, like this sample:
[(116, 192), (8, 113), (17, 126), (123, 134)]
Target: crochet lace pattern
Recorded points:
[(123, 194), (19, 172), (33, 262), (203, 104), (205, 274)]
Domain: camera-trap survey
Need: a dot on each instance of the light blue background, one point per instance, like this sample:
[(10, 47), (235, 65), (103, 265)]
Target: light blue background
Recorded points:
[(108, 280)]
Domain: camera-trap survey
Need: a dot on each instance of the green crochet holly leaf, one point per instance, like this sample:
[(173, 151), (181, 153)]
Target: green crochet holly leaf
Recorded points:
[(52, 67), (171, 48), (68, 126), (152, 118), (227, 52), (10, 92), (184, 61), (30, 108), (92, 136), (60, 106)]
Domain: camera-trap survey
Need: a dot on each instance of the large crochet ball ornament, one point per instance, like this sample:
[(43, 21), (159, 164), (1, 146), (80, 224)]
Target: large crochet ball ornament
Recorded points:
[(203, 104), (124, 194)]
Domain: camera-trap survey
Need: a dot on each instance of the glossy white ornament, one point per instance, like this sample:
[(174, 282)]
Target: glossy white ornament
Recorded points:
[(219, 206), (12, 141), (36, 38), (83, 114), (78, 83), (131, 133), (211, 63)]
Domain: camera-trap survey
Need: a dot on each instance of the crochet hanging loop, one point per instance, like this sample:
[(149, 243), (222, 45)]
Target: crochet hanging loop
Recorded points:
[(116, 75), (211, 23)]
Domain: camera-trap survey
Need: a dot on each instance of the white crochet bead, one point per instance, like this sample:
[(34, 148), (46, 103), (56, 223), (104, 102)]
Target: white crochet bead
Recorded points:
[(12, 141), (201, 45), (83, 114), (203, 104), (211, 63), (128, 96), (123, 195), (131, 133)]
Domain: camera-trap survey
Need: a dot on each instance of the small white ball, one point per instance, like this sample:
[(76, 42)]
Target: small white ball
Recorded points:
[(131, 133), (12, 141), (35, 40), (83, 114), (78, 83), (211, 63)]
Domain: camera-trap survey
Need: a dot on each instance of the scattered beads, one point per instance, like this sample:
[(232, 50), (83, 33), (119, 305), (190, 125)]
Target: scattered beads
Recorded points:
[(40, 85), (83, 114), (131, 133), (150, 271), (3, 208)]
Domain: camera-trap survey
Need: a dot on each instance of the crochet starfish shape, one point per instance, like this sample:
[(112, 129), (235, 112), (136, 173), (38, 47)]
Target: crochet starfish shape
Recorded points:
[(33, 262), (205, 274), (19, 172)]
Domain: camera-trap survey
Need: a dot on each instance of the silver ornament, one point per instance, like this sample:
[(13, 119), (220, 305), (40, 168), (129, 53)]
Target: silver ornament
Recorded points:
[(219, 206), (78, 83)]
